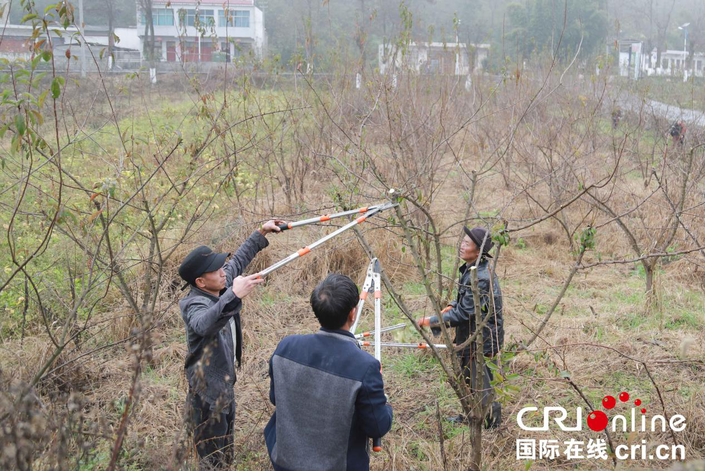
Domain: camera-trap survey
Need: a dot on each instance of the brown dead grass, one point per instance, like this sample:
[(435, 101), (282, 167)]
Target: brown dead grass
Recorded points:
[(603, 311), (530, 278)]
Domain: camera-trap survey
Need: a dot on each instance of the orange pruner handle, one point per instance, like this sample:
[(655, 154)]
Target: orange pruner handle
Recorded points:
[(448, 308)]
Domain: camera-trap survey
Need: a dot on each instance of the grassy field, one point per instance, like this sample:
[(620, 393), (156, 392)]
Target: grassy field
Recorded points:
[(604, 312), (602, 331), (673, 91)]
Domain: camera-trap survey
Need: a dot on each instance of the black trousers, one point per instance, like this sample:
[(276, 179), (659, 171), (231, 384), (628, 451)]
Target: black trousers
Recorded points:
[(212, 432), (494, 411)]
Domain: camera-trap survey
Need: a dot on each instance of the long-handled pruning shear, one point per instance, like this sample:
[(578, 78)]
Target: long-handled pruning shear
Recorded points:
[(369, 212)]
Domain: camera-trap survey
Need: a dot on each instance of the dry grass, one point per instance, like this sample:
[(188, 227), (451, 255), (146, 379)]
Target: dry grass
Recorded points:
[(529, 280), (603, 312)]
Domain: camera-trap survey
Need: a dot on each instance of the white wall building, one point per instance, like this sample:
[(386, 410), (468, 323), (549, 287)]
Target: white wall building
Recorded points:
[(635, 62), (632, 60), (434, 58), (205, 30)]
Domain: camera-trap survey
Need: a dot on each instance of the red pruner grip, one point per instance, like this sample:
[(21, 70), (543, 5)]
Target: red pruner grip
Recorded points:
[(377, 445)]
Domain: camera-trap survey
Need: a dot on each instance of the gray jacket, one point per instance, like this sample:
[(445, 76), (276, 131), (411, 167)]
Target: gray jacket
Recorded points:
[(462, 314), (210, 368), (329, 398)]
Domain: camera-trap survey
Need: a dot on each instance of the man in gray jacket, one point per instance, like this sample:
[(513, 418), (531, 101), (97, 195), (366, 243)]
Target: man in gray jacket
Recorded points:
[(211, 313), (461, 315)]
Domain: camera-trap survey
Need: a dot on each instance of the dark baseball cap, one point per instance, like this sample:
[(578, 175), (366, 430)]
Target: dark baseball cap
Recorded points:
[(478, 234), (201, 260)]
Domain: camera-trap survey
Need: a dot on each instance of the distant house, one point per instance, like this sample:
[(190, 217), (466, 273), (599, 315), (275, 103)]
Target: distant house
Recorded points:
[(17, 40), (671, 61), (635, 62), (433, 58), (205, 30)]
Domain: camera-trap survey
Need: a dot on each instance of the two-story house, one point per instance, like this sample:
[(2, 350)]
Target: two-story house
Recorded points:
[(205, 30)]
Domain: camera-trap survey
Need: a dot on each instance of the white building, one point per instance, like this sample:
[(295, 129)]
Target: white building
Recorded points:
[(635, 62), (205, 30), (632, 60), (671, 62), (434, 58), (17, 41)]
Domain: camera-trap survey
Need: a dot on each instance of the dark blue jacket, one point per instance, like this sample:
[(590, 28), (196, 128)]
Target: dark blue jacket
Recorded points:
[(330, 401)]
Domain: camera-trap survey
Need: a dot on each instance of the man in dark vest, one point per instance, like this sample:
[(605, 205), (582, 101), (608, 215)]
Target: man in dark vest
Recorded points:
[(211, 313), (461, 315)]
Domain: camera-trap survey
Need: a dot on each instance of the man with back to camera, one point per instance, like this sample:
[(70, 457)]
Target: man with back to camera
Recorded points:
[(211, 313), (328, 393), (461, 315)]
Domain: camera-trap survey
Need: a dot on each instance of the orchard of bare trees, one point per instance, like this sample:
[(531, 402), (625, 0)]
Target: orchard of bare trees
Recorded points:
[(108, 182)]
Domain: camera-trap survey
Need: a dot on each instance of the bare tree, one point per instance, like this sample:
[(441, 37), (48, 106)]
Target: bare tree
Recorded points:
[(145, 7), (662, 23)]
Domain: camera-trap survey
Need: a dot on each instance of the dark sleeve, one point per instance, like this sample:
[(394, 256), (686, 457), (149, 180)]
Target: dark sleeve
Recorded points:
[(464, 309), (207, 320), (271, 382), (244, 255), (374, 412)]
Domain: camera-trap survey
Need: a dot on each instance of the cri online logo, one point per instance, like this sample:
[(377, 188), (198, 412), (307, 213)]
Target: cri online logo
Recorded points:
[(598, 420)]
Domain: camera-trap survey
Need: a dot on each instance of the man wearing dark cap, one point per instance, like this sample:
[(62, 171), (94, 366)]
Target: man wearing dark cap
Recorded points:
[(461, 314), (211, 312)]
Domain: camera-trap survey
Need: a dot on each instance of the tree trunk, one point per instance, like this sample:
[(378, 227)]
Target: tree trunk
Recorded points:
[(151, 41), (362, 35), (649, 270), (148, 49)]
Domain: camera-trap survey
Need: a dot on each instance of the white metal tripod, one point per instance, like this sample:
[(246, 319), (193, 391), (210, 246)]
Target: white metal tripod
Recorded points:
[(373, 284)]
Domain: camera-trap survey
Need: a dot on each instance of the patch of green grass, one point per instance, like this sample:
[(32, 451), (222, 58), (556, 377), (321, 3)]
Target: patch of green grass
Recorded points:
[(629, 293), (596, 330), (99, 458), (414, 288), (251, 460), (269, 298), (447, 400), (687, 391), (673, 91), (685, 319), (632, 320), (684, 309), (582, 292), (617, 381), (94, 461), (428, 418), (449, 255), (154, 377), (416, 451), (390, 310), (413, 365)]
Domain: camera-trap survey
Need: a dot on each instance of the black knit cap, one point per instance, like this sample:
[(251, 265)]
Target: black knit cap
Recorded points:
[(201, 260), (478, 234)]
